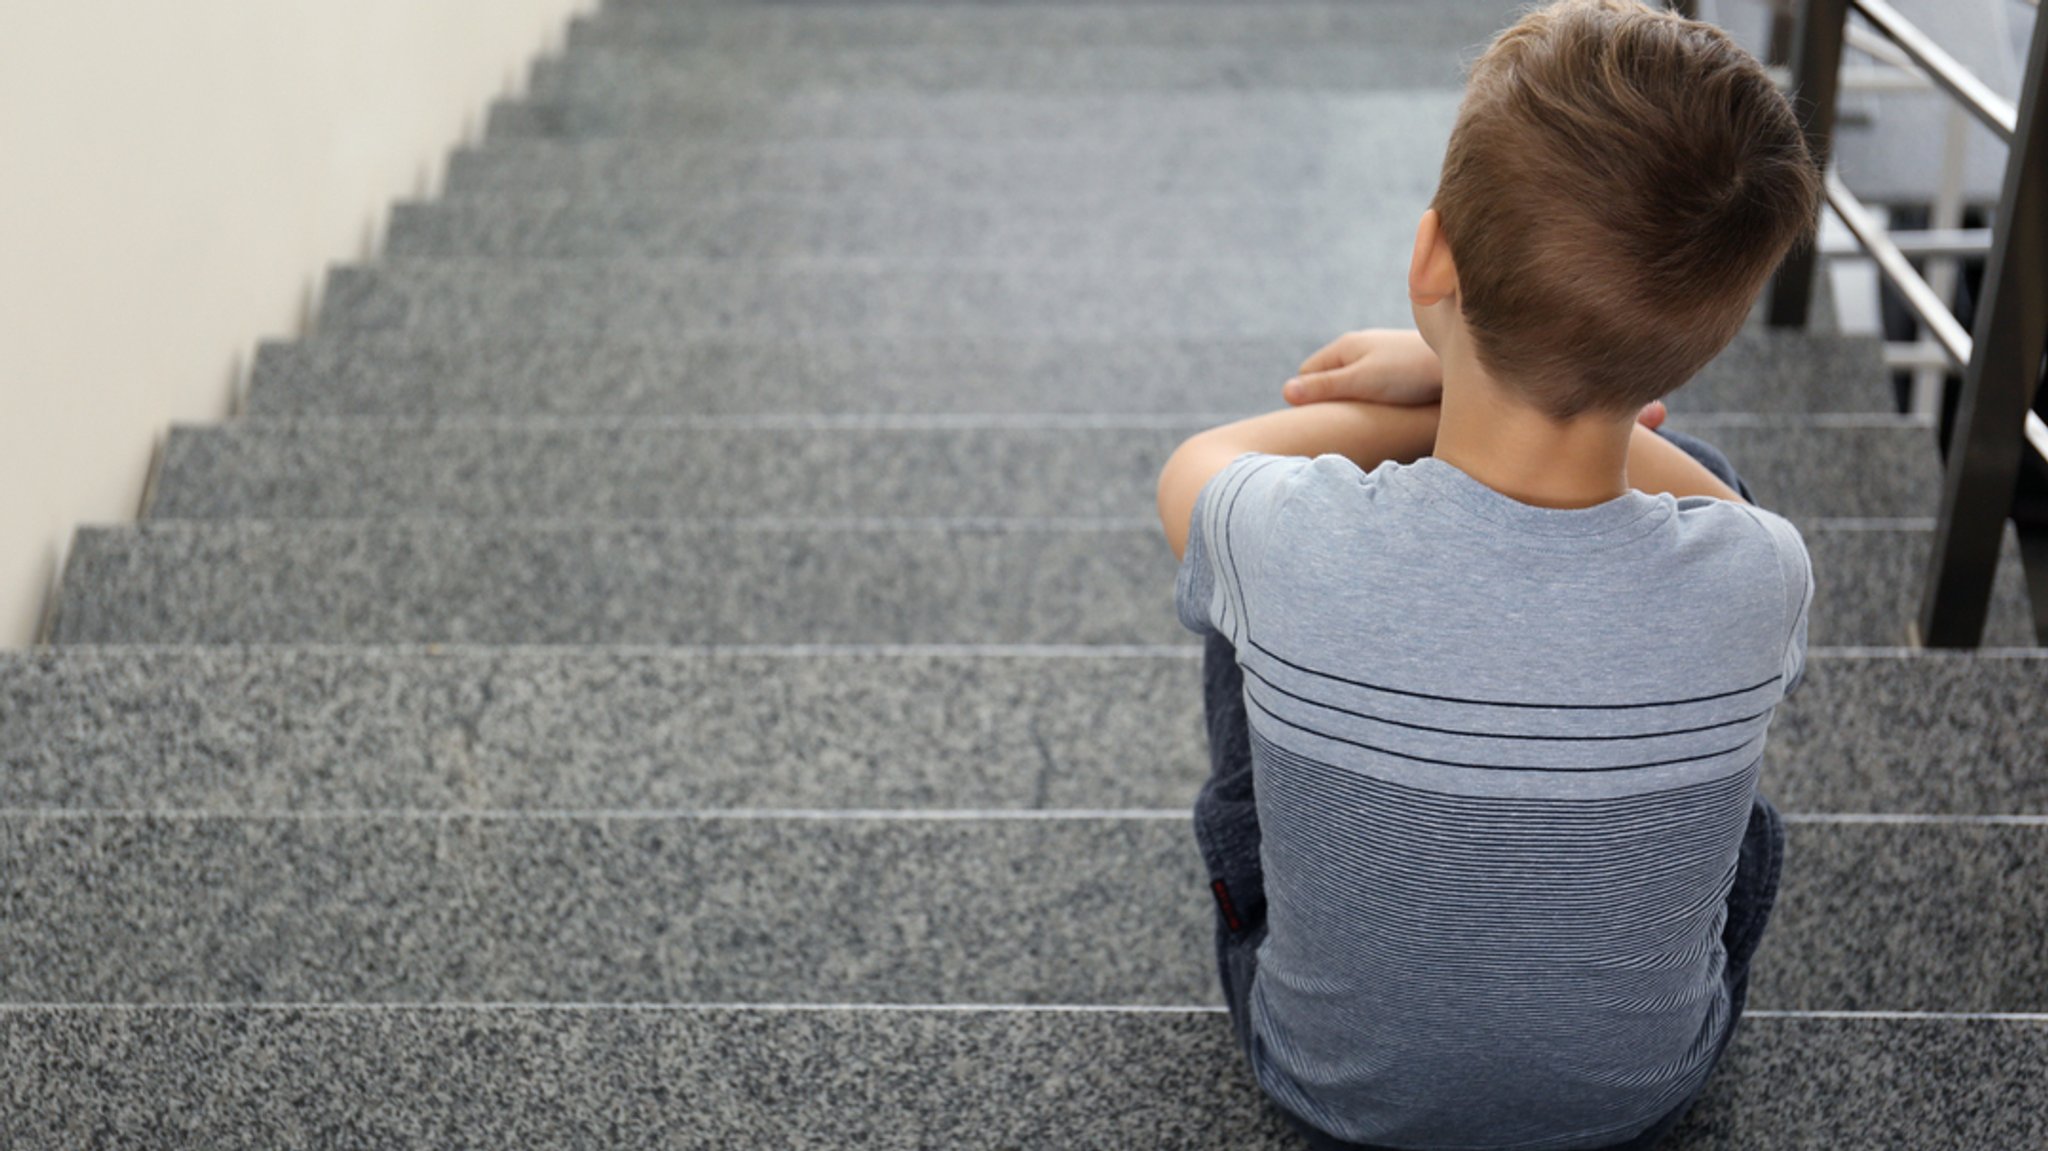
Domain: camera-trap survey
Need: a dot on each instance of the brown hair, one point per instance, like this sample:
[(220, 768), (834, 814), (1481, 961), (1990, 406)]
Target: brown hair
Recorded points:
[(1620, 183)]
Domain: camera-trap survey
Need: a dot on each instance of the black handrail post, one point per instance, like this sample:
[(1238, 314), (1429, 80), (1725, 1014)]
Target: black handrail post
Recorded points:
[(1784, 23), (1998, 387), (1816, 80)]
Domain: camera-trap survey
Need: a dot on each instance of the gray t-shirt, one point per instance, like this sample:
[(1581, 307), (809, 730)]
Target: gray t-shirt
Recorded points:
[(1504, 758)]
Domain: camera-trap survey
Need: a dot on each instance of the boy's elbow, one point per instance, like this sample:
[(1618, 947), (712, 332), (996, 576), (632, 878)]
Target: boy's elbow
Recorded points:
[(1187, 471)]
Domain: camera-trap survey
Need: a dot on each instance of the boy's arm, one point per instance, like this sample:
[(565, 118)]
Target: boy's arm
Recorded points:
[(1656, 465), (1392, 365), (1366, 434)]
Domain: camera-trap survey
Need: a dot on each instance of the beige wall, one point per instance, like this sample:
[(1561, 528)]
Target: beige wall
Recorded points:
[(174, 177)]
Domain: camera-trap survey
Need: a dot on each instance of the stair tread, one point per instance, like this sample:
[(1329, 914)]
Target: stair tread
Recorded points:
[(1400, 148), (725, 1076), (1365, 221), (686, 76), (686, 296), (666, 374), (1418, 25), (634, 470), (918, 908), (1305, 118), (758, 581), (567, 729)]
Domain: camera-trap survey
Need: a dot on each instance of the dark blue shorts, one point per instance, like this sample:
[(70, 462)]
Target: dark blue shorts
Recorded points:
[(1227, 830)]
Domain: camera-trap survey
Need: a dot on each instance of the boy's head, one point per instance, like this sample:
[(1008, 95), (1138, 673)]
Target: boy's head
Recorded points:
[(1620, 184)]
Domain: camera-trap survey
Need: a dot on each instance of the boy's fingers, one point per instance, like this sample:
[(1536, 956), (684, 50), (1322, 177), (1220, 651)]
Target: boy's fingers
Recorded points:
[(1321, 361), (1309, 388), (1330, 355)]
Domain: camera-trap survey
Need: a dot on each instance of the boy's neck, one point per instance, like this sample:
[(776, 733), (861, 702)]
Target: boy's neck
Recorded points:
[(1523, 454)]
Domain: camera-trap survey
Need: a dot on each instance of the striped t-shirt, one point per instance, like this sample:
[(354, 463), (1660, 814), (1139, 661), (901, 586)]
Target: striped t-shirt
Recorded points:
[(1504, 758)]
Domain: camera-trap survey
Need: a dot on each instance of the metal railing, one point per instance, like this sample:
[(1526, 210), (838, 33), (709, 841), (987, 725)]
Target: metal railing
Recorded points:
[(2001, 360)]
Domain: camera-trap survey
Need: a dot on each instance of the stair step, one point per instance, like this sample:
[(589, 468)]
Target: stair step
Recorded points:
[(1400, 150), (559, 729), (642, 299), (1327, 119), (1420, 26), (759, 581), (931, 907), (1877, 467), (1363, 222), (755, 1077), (664, 376), (639, 300), (693, 78)]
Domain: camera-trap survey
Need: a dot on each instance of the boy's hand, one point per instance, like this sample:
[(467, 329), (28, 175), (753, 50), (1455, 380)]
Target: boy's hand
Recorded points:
[(1379, 365)]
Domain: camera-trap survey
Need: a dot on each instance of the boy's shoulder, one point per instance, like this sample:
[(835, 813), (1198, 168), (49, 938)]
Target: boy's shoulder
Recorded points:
[(1295, 541), (1256, 493)]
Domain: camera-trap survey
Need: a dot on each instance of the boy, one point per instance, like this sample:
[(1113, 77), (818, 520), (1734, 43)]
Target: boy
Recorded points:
[(1500, 658)]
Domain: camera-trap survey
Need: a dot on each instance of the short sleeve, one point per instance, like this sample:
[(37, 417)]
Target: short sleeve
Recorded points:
[(1796, 569), (1234, 516)]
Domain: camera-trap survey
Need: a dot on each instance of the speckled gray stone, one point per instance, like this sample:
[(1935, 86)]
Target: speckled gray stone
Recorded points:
[(1362, 222), (1944, 915), (854, 372), (1075, 910), (639, 470), (288, 729), (1398, 150), (748, 582), (1867, 587), (1422, 27), (753, 582), (686, 297), (1933, 732), (1302, 119), (688, 78), (582, 909), (603, 1077), (309, 729), (1775, 372)]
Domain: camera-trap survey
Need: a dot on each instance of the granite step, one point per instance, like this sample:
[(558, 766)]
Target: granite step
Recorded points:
[(642, 299), (665, 377), (639, 300), (1077, 908), (1302, 119), (1364, 222), (1421, 27), (684, 78), (759, 581), (269, 729), (1870, 467), (609, 1076), (1399, 150)]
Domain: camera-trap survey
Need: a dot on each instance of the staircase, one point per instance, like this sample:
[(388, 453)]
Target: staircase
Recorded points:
[(684, 657)]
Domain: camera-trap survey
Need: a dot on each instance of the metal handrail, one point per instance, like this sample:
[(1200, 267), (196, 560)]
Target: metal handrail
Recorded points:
[(1925, 242), (1976, 97), (1955, 343), (1918, 294), (2001, 361)]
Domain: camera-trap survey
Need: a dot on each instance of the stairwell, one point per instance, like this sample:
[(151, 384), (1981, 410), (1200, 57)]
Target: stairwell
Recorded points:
[(684, 657)]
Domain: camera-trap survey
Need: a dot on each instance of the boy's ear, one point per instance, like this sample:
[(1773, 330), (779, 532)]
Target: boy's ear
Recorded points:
[(1431, 273)]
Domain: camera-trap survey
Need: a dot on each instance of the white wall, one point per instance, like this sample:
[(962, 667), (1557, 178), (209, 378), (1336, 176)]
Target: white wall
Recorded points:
[(175, 175)]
